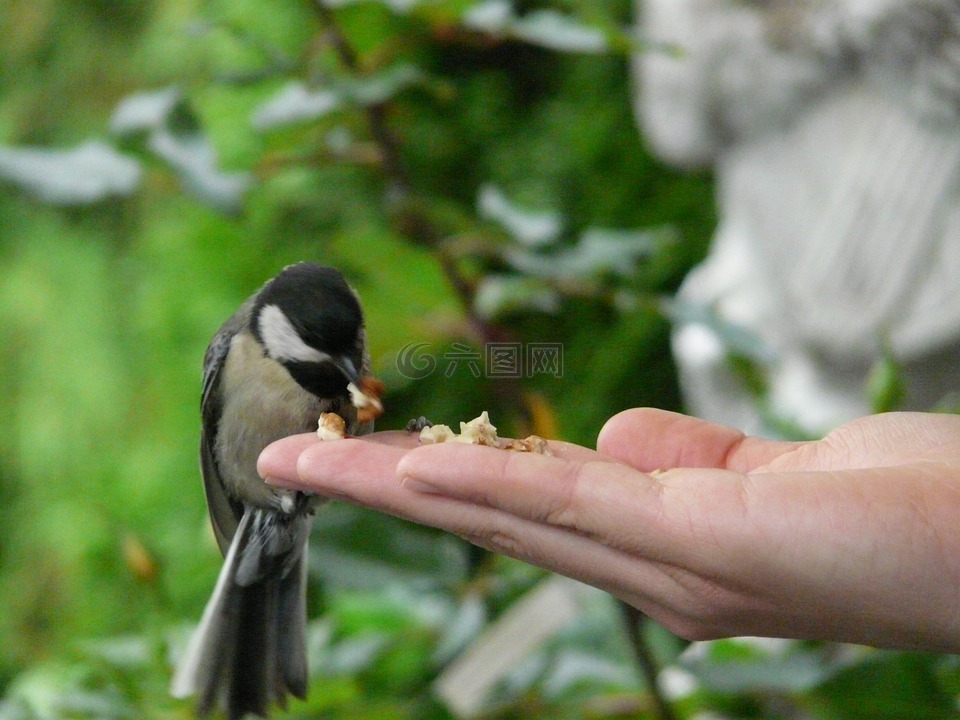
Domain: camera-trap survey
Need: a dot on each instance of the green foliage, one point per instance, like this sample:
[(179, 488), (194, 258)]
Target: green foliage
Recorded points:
[(474, 168), (886, 388)]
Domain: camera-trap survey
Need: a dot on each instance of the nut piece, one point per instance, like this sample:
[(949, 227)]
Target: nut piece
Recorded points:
[(436, 434), (478, 431), (331, 427), (366, 398), (531, 444)]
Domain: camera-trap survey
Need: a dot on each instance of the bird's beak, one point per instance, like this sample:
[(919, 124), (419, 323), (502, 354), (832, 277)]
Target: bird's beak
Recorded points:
[(346, 366)]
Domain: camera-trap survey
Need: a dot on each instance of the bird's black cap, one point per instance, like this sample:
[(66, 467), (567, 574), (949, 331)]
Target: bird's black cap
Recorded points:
[(319, 304)]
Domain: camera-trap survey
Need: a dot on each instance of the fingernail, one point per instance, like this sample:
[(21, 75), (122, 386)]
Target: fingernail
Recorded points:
[(281, 483), (409, 482)]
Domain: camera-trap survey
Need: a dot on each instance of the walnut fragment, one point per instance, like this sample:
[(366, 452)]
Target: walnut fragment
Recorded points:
[(331, 427), (480, 431), (531, 444), (366, 398)]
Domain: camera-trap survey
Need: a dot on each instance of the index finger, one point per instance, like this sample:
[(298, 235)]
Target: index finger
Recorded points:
[(279, 459)]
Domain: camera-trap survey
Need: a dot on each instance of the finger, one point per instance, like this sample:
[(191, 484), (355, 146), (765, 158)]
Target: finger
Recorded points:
[(278, 461), (710, 552), (649, 439), (532, 487), (365, 472), (360, 470), (603, 501), (648, 585), (575, 453), (608, 502)]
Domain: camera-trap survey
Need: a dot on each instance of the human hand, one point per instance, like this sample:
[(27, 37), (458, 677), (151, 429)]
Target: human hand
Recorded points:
[(851, 538)]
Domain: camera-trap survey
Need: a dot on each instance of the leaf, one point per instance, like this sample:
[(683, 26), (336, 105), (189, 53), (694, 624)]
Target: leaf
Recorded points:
[(885, 384), (736, 339), (129, 652), (94, 704), (295, 103), (525, 675), (461, 629), (64, 691), (529, 228), (353, 655), (885, 686), (545, 28), (394, 607), (492, 16), (194, 159), (89, 173), (603, 250), (798, 673), (175, 135), (746, 666), (14, 710), (498, 295), (598, 253), (144, 111), (399, 6), (379, 87), (574, 670), (556, 31)]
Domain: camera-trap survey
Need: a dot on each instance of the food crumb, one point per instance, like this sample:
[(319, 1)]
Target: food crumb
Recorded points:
[(331, 427), (480, 431), (366, 398), (531, 444), (436, 434)]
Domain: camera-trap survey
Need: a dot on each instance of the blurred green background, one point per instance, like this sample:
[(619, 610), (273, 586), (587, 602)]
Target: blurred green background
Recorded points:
[(475, 170)]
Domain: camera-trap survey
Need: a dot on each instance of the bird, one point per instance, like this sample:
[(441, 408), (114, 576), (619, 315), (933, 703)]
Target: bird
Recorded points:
[(288, 354)]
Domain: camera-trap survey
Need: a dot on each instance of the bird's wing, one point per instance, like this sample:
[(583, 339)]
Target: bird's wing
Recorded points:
[(225, 513)]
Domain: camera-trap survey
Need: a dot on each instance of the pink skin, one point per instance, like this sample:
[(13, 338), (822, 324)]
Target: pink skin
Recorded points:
[(853, 538)]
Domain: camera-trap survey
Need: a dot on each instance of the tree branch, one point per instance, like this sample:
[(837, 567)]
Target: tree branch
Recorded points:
[(634, 621), (396, 172)]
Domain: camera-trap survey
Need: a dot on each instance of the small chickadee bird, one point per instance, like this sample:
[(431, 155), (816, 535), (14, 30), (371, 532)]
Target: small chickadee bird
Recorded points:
[(284, 357)]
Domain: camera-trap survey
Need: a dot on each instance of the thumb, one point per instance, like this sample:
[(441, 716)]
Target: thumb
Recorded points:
[(649, 439)]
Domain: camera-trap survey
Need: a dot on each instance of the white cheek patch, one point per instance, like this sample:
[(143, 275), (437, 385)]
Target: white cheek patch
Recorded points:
[(282, 340)]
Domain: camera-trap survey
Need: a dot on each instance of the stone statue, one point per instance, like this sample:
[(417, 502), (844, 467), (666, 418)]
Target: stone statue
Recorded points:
[(834, 130)]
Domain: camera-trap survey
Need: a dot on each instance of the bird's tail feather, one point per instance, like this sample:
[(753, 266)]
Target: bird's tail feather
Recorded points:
[(249, 649)]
